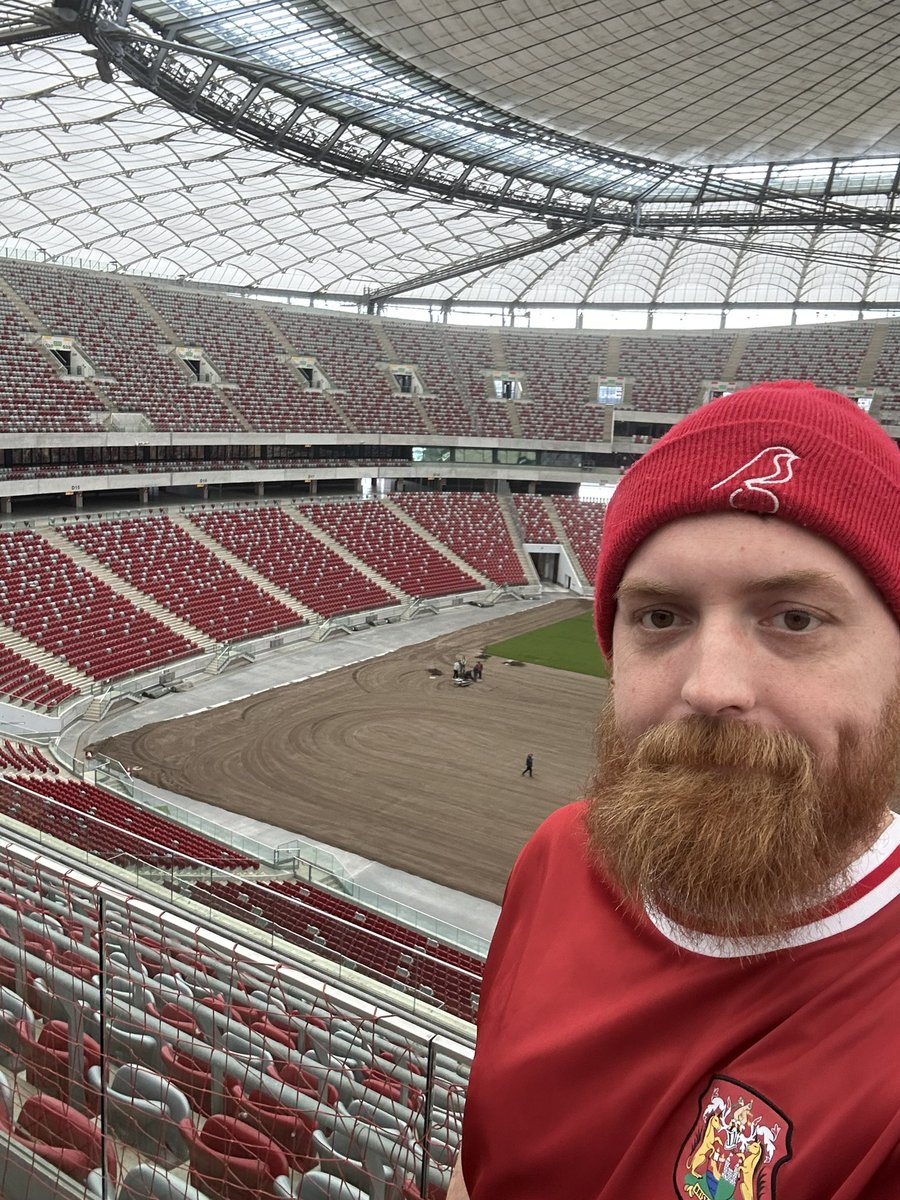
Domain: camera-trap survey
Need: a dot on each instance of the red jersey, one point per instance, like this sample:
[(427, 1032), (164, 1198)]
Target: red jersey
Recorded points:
[(620, 1057)]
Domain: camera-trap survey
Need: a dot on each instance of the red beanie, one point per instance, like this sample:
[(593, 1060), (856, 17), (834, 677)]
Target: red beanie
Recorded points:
[(810, 456)]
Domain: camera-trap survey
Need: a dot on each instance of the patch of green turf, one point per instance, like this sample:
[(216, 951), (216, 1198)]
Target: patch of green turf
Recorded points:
[(569, 645)]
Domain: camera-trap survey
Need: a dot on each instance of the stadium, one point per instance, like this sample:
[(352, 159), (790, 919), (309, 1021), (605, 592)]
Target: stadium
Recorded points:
[(326, 330)]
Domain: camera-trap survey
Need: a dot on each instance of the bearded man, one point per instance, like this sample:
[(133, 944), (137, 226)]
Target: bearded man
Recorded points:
[(694, 986)]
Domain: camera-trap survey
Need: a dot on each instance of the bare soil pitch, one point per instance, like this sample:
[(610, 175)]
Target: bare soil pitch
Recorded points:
[(393, 762)]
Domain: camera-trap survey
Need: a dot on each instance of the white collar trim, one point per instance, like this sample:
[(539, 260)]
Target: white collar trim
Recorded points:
[(839, 922)]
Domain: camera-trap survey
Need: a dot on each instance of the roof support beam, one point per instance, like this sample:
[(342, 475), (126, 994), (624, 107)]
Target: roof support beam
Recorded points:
[(478, 262)]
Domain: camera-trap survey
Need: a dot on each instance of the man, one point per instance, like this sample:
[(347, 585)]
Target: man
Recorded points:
[(529, 765), (694, 987)]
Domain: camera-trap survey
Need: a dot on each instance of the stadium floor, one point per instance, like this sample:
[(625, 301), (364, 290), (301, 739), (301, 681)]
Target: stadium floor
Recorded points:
[(413, 783)]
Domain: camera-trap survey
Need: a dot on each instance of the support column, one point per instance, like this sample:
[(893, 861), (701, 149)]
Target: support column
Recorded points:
[(260, 489), (313, 486), (79, 500), (6, 505), (144, 495)]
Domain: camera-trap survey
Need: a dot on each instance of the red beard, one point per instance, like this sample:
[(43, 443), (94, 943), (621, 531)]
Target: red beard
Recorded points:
[(732, 829)]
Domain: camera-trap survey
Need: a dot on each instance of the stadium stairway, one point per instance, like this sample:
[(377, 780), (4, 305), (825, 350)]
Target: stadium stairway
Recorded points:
[(510, 516), (29, 316), (330, 398), (243, 568), (174, 339), (567, 546), (340, 549), (59, 668), (441, 547), (869, 364), (733, 362), (392, 356), (138, 598)]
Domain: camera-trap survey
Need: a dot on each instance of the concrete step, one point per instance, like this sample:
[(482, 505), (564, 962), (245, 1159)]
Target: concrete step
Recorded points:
[(866, 372), (557, 524), (437, 544), (348, 557), (500, 363), (423, 413), (514, 525), (243, 568), (330, 398), (512, 412), (16, 300), (59, 668), (384, 341), (156, 317), (95, 709), (138, 598), (223, 394)]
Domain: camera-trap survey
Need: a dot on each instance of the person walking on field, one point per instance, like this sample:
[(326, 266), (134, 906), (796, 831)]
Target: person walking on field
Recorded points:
[(529, 763)]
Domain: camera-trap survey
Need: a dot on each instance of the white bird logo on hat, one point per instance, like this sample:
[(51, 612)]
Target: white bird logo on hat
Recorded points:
[(773, 466)]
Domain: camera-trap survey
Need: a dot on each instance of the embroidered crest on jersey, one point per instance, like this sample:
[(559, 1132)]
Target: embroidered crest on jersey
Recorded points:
[(770, 468), (735, 1147)]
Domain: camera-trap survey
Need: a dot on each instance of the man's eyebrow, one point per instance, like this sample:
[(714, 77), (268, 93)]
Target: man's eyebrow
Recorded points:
[(789, 581)]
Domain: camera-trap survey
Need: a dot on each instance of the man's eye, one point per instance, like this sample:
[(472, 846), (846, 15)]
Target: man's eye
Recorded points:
[(657, 618), (797, 620)]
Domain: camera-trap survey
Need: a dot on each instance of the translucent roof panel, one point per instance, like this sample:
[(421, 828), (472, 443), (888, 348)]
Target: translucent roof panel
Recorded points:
[(110, 175), (692, 82)]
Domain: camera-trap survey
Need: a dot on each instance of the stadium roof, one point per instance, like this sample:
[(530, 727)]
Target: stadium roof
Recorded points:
[(601, 153)]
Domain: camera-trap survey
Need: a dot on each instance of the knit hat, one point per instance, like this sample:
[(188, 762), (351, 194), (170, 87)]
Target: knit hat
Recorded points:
[(790, 449)]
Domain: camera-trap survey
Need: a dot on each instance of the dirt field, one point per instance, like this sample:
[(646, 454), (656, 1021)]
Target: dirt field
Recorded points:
[(391, 762)]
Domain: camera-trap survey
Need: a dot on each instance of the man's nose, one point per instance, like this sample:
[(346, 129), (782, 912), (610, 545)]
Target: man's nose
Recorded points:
[(719, 678)]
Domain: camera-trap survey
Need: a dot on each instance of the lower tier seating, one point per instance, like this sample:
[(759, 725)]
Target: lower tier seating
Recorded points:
[(27, 683), (472, 525), (336, 927), (106, 825)]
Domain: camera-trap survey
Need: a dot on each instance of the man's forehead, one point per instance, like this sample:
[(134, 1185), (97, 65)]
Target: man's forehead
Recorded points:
[(755, 554)]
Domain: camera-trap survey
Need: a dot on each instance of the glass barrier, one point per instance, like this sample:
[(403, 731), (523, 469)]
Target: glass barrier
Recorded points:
[(147, 1054), (306, 858), (222, 883)]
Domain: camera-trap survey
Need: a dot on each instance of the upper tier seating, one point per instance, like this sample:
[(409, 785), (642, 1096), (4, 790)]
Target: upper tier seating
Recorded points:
[(156, 556), (534, 518), (560, 382), (371, 531), (282, 551), (583, 522), (33, 394), (472, 525), (243, 351), (426, 347), (71, 613), (126, 329), (669, 369), (122, 343), (830, 355), (29, 684), (564, 419), (348, 352), (135, 826), (888, 369), (493, 418), (474, 357)]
